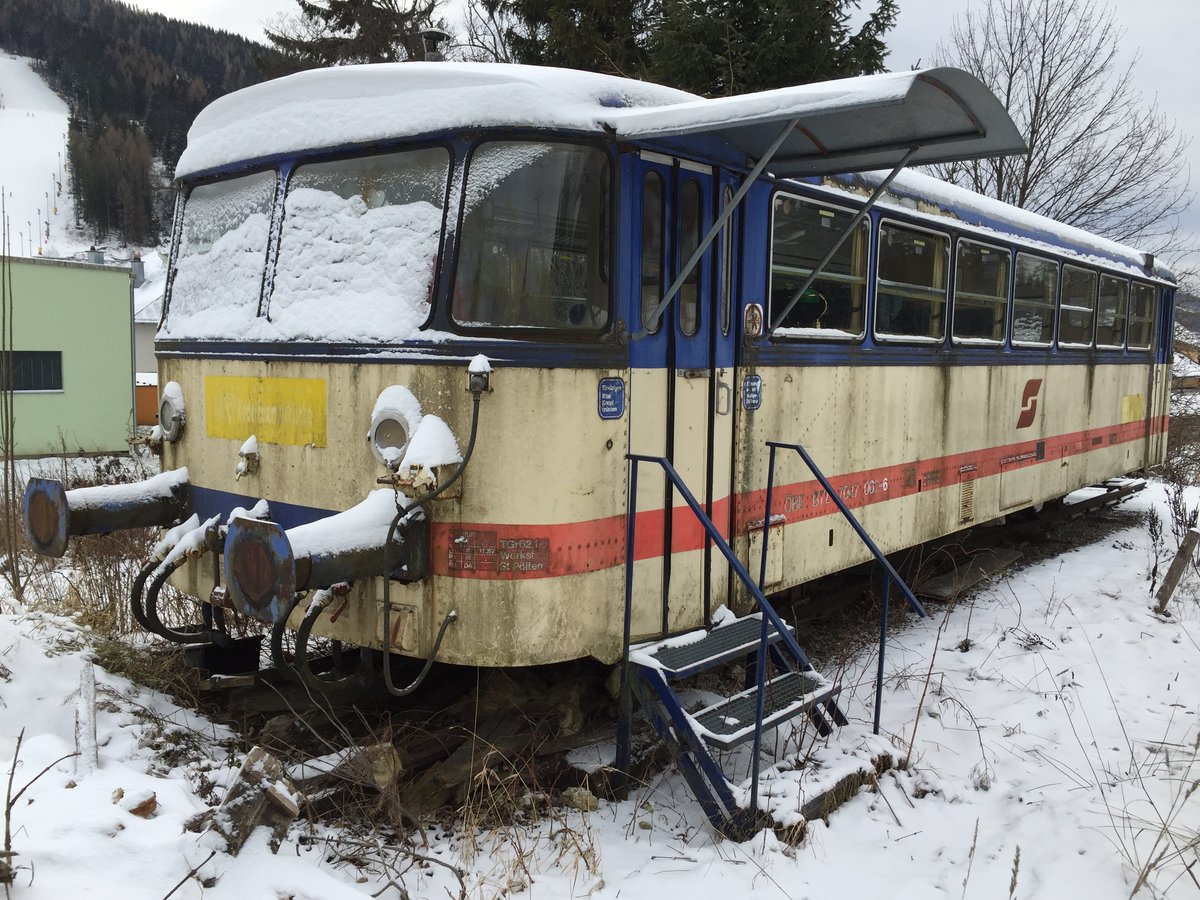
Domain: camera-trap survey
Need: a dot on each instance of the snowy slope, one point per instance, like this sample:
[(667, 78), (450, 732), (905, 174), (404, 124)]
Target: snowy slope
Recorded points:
[(33, 130)]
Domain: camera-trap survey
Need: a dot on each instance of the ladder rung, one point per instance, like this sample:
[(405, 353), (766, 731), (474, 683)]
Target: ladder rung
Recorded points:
[(731, 722), (687, 654)]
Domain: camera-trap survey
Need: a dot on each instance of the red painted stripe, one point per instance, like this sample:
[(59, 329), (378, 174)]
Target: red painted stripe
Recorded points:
[(511, 552)]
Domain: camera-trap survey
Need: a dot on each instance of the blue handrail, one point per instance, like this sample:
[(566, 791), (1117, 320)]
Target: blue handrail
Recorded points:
[(890, 574), (768, 615)]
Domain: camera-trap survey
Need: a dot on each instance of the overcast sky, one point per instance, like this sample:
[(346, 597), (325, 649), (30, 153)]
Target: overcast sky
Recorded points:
[(1160, 34)]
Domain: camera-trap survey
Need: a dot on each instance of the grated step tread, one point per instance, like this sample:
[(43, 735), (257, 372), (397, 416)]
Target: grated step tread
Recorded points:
[(680, 657), (731, 721)]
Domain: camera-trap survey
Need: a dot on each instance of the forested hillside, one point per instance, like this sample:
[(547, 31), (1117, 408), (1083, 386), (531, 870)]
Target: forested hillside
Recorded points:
[(134, 82)]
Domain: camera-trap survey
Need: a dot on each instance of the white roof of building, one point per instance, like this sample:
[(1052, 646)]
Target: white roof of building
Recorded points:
[(842, 126)]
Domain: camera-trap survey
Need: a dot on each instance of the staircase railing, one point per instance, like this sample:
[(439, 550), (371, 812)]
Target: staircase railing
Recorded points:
[(769, 616), (890, 574)]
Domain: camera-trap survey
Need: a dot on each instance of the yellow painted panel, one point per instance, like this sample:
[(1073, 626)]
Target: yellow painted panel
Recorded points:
[(1133, 408), (287, 411)]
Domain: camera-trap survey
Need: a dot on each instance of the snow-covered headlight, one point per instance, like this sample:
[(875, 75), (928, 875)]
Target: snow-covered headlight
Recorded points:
[(171, 414), (394, 420)]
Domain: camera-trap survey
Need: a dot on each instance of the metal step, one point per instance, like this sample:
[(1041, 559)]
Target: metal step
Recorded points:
[(688, 654), (730, 722)]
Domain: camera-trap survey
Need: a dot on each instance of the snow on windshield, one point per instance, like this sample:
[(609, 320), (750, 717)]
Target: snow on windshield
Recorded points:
[(358, 251), (349, 272), (222, 252)]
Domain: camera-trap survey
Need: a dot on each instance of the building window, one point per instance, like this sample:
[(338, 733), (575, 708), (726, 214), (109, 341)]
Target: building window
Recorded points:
[(981, 293), (802, 234), (911, 293), (34, 370)]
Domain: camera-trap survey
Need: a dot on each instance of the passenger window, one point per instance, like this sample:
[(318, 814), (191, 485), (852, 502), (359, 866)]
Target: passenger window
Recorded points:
[(1110, 311), (533, 243), (652, 247), (981, 293), (689, 240), (1033, 300), (1077, 307), (1141, 316), (802, 234), (911, 294)]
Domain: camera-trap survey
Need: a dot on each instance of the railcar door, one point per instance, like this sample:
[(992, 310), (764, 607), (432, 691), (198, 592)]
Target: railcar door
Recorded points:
[(682, 390)]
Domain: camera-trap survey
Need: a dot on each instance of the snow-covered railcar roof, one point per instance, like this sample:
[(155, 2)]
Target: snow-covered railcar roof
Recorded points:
[(846, 125), (916, 193)]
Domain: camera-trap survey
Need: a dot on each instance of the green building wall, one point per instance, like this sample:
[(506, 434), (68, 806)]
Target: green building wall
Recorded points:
[(86, 312)]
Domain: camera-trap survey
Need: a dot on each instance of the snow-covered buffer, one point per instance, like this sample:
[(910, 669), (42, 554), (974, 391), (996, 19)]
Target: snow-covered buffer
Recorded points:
[(265, 566), (53, 514)]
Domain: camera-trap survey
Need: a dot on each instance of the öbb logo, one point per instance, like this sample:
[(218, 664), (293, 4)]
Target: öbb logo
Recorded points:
[(1029, 402)]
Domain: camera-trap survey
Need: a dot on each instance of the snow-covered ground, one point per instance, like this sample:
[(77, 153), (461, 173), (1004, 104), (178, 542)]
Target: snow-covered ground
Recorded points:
[(1052, 721)]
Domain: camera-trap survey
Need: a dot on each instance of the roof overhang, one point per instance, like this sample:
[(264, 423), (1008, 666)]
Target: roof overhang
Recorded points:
[(849, 125)]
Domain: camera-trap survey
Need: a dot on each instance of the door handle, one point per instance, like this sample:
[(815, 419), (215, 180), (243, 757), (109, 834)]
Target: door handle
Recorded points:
[(724, 398)]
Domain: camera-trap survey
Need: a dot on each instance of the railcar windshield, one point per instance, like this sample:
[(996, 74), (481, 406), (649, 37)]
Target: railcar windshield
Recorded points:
[(534, 242), (222, 251), (359, 247), (358, 238)]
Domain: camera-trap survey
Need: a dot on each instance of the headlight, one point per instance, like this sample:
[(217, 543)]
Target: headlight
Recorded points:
[(394, 420), (171, 412), (388, 437)]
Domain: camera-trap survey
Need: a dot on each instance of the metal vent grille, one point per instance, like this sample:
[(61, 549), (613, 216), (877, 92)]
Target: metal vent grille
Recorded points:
[(966, 501)]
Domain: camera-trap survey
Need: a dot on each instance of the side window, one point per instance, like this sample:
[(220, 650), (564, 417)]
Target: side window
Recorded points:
[(533, 238), (1077, 307), (910, 298), (690, 233), (981, 292), (1110, 311), (652, 245), (1141, 315), (802, 234), (1033, 300)]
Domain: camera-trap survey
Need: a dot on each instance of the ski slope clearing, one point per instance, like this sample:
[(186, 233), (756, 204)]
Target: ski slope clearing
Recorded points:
[(33, 152), (1049, 725)]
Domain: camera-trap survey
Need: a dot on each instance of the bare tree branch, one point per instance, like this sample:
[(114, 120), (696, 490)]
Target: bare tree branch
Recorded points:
[(1101, 157)]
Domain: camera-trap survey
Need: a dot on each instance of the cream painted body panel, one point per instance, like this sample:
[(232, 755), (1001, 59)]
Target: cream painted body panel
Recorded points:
[(546, 462), (868, 420), (543, 457)]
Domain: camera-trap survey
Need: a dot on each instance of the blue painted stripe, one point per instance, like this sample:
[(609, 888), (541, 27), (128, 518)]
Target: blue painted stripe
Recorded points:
[(207, 502), (597, 355)]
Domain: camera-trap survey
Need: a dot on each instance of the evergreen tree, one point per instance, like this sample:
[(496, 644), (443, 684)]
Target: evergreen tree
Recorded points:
[(336, 32), (594, 35), (723, 47), (709, 47)]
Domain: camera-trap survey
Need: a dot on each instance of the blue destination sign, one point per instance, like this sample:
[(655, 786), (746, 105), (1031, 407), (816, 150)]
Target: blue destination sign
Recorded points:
[(752, 392), (610, 398)]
